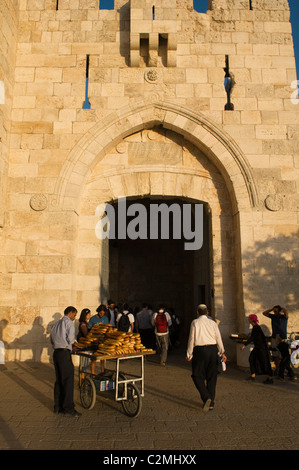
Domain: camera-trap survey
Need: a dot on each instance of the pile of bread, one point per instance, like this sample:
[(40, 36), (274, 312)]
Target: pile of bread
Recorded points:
[(108, 341)]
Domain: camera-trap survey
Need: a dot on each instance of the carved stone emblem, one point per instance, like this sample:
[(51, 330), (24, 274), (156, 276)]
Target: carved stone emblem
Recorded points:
[(273, 202), (121, 147), (38, 202), (151, 76)]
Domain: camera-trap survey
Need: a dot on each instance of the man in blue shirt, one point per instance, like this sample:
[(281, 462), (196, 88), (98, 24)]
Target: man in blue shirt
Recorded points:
[(111, 313), (62, 337), (279, 322)]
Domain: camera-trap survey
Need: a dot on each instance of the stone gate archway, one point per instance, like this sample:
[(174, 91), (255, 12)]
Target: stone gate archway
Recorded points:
[(88, 179), (95, 173)]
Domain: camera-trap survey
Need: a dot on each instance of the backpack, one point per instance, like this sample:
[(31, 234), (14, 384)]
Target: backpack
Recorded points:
[(161, 323), (124, 323)]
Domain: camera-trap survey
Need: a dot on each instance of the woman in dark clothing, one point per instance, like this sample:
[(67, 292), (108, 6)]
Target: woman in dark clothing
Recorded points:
[(259, 358), (84, 329)]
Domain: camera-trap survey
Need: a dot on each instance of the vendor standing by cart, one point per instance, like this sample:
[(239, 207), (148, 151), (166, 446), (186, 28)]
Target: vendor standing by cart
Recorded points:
[(62, 338)]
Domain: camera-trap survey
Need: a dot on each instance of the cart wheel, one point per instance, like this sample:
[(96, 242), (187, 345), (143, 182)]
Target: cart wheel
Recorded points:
[(88, 393), (132, 405)]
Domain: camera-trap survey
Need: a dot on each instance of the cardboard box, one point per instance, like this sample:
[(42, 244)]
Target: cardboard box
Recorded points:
[(104, 385)]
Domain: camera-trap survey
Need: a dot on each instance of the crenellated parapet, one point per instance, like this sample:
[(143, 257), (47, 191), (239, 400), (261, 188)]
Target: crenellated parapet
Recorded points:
[(248, 5), (153, 25)]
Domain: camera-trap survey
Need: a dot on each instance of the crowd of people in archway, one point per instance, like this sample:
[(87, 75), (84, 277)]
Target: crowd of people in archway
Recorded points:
[(159, 329)]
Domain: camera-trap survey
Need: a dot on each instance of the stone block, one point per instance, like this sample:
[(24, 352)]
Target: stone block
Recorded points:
[(25, 74), (196, 76)]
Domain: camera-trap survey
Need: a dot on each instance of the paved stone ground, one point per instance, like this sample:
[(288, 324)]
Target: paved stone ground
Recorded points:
[(246, 416)]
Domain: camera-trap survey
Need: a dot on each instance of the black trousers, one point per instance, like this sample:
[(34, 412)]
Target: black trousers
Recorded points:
[(64, 385), (205, 370), (285, 364)]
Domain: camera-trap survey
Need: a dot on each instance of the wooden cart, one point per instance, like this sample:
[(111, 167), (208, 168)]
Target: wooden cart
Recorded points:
[(127, 389)]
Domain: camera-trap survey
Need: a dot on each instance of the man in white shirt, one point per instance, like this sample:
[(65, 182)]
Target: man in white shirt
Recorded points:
[(131, 319), (203, 346)]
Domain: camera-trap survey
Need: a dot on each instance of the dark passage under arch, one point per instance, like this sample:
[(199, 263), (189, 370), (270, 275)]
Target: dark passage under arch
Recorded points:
[(160, 270)]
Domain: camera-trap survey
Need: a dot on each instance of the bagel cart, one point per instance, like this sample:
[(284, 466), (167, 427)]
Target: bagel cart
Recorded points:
[(127, 389)]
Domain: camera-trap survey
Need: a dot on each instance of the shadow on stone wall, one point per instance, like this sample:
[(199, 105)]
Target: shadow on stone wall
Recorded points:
[(32, 344), (271, 273)]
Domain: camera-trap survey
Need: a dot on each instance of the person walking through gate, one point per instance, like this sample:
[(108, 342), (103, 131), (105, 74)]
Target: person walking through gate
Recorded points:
[(111, 312), (62, 338), (125, 320), (144, 326), (161, 321), (204, 343)]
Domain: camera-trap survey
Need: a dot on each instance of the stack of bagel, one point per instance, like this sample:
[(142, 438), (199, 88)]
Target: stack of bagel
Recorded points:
[(118, 343), (95, 336), (108, 341)]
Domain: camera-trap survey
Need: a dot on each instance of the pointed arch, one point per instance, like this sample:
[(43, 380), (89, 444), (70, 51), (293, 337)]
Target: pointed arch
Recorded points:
[(217, 145)]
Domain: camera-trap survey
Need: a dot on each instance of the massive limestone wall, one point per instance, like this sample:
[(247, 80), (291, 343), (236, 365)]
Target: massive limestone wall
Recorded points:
[(145, 68)]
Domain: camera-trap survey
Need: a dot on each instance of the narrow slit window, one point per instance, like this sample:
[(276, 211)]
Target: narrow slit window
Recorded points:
[(86, 104), (57, 4), (153, 12), (250, 5), (106, 4), (228, 85), (200, 6)]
